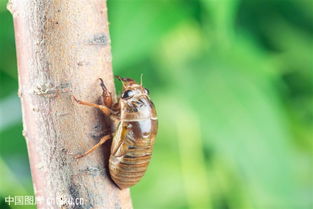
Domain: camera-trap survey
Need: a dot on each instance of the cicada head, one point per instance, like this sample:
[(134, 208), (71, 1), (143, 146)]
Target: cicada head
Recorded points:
[(132, 89), (135, 99)]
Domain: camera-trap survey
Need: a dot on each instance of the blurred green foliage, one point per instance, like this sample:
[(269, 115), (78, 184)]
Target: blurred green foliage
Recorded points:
[(233, 84)]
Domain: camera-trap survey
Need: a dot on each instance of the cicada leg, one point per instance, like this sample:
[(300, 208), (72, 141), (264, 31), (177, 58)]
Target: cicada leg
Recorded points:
[(107, 111), (106, 95), (102, 141)]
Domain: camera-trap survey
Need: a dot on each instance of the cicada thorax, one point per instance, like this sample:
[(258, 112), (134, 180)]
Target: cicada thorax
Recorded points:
[(133, 141)]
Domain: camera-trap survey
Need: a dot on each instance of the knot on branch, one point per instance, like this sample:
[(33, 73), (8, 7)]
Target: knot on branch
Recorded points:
[(49, 90)]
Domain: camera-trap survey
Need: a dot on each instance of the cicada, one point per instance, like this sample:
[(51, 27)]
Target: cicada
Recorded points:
[(134, 128)]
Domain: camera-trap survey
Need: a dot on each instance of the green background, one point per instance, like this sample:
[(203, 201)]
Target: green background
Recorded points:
[(232, 81)]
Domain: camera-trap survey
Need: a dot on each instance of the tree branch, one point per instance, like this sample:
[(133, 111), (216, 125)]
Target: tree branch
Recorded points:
[(63, 47)]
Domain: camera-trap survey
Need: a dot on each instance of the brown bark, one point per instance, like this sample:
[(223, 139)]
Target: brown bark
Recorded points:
[(63, 47)]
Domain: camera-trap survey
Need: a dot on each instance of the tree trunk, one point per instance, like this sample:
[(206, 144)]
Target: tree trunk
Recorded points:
[(63, 47)]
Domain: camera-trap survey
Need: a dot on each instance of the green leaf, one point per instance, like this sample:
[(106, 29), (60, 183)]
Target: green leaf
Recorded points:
[(139, 26)]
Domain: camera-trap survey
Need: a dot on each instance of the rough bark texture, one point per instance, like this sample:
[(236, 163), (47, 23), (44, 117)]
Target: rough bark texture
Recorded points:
[(63, 47)]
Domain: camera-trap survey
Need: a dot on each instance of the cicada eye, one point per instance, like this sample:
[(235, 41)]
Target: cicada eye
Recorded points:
[(127, 94), (147, 91)]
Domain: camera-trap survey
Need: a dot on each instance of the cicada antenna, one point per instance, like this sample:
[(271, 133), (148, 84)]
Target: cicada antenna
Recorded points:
[(141, 76)]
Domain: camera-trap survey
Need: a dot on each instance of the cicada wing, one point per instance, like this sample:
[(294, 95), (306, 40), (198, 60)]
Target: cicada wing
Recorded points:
[(119, 147)]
